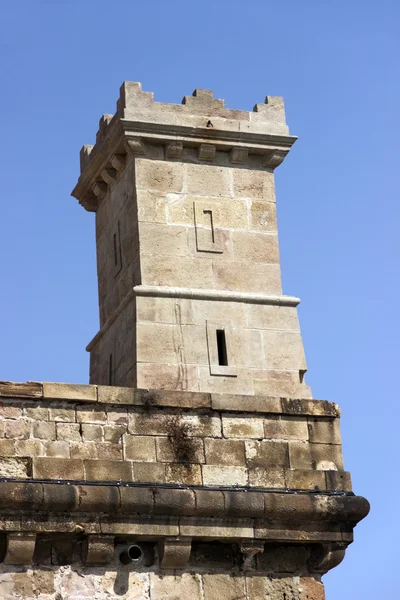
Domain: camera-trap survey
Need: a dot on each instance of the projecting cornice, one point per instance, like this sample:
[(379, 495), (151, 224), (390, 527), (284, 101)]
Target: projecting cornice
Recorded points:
[(200, 129)]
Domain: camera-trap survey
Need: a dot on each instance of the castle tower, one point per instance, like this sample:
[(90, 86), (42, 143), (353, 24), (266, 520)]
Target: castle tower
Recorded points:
[(187, 250), (196, 463)]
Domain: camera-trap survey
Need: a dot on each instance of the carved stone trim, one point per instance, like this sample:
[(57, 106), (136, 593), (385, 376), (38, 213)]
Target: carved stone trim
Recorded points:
[(175, 553), (207, 151), (109, 175), (99, 549), (174, 150), (326, 557), (118, 161), (274, 158), (135, 146), (99, 189), (20, 548), (239, 155)]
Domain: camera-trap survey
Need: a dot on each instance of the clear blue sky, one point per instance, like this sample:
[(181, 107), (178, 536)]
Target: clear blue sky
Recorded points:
[(337, 65)]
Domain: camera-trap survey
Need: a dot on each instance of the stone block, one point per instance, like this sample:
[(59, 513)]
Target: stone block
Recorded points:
[(29, 448), (241, 403), (244, 504), (305, 480), (226, 586), (324, 457), (92, 433), (107, 470), (284, 350), (8, 411), (90, 415), (55, 449), (186, 585), (267, 453), (176, 344), (148, 472), (159, 176), (63, 415), (18, 468), (239, 384), (99, 498), (31, 389), (183, 474), (174, 502), (141, 526), (163, 240), (84, 450), (242, 427), (136, 500), (267, 316), (218, 475), (213, 528), (17, 430), (286, 428), (117, 416), (209, 503), (165, 310), (69, 432), (208, 180), (60, 498), (114, 433), (324, 431), (173, 377), (255, 247), (139, 448), (247, 277), (313, 408), (268, 477), (57, 468), (263, 216), (151, 206), (167, 452), (37, 413), (338, 480), (116, 395), (258, 185), (108, 451), (225, 452), (283, 384), (69, 391), (7, 448)]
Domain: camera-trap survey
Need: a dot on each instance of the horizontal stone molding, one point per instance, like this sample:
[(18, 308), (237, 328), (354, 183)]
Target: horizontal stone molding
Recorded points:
[(154, 399), (191, 294), (194, 508)]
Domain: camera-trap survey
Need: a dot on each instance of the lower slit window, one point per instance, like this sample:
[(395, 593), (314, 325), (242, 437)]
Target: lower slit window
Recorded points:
[(221, 345)]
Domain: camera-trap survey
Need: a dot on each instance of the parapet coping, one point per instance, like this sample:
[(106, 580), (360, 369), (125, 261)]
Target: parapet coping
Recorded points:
[(158, 291), (117, 499), (153, 399)]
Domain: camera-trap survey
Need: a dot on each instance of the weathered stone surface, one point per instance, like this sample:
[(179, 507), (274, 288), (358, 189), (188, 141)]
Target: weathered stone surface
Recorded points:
[(69, 391), (224, 586), (225, 452)]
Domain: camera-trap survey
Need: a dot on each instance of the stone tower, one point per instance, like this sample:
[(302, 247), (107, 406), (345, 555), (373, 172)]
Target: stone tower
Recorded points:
[(196, 463)]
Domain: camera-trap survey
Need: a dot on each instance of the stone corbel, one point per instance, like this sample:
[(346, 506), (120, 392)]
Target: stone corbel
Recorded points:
[(325, 557), (99, 189), (109, 175), (99, 549), (135, 146), (20, 548), (175, 552), (207, 151), (249, 549), (274, 158), (90, 202), (239, 156), (118, 161), (174, 150)]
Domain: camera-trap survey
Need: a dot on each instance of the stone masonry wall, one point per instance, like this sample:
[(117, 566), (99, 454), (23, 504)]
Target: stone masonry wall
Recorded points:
[(113, 434)]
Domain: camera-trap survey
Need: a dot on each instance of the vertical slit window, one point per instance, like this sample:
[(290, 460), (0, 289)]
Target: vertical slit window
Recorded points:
[(110, 370), (221, 345)]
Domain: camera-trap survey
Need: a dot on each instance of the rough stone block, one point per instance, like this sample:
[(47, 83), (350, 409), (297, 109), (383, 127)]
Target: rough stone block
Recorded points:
[(305, 480), (37, 413), (17, 430), (148, 472), (225, 452), (69, 432), (324, 431), (217, 475), (64, 415), (8, 411), (159, 176), (286, 428), (116, 395), (55, 449), (57, 468), (69, 391), (263, 216), (168, 453), (338, 480), (240, 403), (178, 377), (7, 448), (208, 180), (226, 586), (82, 450), (267, 453), (92, 433), (90, 415), (15, 467), (139, 448), (107, 470), (242, 427), (258, 185), (186, 585), (324, 457), (184, 474), (267, 477)]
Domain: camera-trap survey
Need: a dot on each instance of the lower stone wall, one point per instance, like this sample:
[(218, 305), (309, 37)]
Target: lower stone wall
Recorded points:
[(126, 583)]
